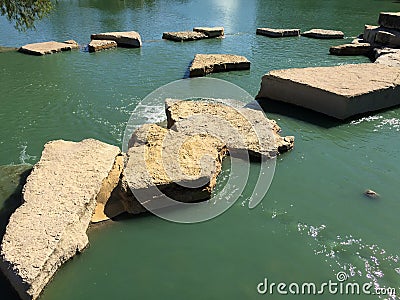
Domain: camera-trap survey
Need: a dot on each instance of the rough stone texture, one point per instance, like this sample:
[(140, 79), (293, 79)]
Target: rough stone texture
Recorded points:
[(323, 34), (340, 91), (204, 64), (183, 36), (98, 45), (254, 132), (50, 226), (124, 39), (381, 36), (74, 44), (388, 57), (46, 48), (389, 20), (351, 49), (270, 32), (211, 32)]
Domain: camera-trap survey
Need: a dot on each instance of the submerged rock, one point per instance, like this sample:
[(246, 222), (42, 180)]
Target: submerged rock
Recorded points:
[(47, 48), (323, 34), (339, 91), (270, 32), (123, 38), (371, 194), (98, 45), (204, 64), (59, 199), (351, 49)]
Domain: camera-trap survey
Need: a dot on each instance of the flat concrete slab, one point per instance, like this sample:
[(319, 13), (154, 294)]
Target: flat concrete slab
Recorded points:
[(122, 38), (275, 33), (381, 36), (389, 20), (211, 32), (339, 91), (98, 45), (323, 34), (47, 48), (351, 49), (204, 64), (183, 36)]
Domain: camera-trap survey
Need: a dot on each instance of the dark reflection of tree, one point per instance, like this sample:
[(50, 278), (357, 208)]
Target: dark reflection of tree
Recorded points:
[(115, 6)]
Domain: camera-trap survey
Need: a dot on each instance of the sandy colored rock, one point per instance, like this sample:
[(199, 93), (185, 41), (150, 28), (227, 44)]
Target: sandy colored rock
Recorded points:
[(351, 49), (339, 91), (183, 36), (46, 48), (50, 226), (211, 32), (389, 20), (204, 64), (123, 38), (270, 32), (323, 34), (74, 44), (390, 57), (98, 45), (241, 128)]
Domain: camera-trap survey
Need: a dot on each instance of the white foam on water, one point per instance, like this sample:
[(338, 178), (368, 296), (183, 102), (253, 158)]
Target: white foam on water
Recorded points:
[(24, 157)]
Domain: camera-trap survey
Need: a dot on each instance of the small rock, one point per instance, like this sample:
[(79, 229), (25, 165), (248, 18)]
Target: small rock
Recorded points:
[(183, 36), (74, 44), (204, 64), (211, 32), (323, 34), (275, 33), (371, 194), (123, 38), (351, 49), (98, 45)]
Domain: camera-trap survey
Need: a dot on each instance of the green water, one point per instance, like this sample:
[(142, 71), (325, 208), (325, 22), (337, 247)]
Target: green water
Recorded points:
[(314, 220)]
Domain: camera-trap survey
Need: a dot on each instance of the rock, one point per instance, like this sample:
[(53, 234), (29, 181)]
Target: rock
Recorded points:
[(388, 39), (389, 20), (389, 58), (371, 194), (73, 43), (46, 48), (351, 49), (358, 41), (323, 34), (278, 32), (124, 39), (204, 64), (339, 91), (182, 36), (7, 49), (211, 32), (59, 198), (255, 133), (98, 45), (369, 34)]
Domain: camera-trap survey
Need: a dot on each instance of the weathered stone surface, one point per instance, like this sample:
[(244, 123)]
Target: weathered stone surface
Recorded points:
[(204, 64), (382, 36), (211, 32), (74, 44), (389, 20), (46, 48), (270, 32), (388, 57), (369, 34), (182, 36), (351, 49), (323, 34), (50, 226), (339, 91), (124, 38), (98, 45), (254, 132)]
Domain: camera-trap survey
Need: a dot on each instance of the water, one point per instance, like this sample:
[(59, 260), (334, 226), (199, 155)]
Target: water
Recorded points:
[(314, 220)]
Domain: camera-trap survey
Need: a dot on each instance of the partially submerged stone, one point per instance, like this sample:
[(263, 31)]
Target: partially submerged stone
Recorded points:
[(98, 45), (59, 198), (7, 49), (211, 32), (323, 34), (204, 64), (389, 20), (339, 91), (123, 38), (351, 49), (46, 48), (371, 194), (182, 36), (270, 32)]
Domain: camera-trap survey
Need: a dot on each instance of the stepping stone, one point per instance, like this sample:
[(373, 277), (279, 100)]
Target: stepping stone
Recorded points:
[(211, 32), (389, 20), (47, 48), (130, 39), (98, 45), (351, 49), (274, 33), (59, 199), (183, 36), (323, 34), (339, 91), (204, 64), (381, 36)]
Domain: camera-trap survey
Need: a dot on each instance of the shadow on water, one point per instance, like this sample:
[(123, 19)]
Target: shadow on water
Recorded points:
[(14, 177)]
